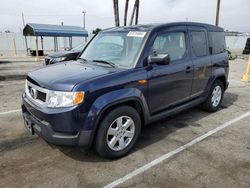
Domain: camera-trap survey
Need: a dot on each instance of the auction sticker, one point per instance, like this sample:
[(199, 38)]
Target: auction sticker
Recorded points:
[(136, 34)]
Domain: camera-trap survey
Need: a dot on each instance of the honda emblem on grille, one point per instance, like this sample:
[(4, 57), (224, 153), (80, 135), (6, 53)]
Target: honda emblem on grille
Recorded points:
[(33, 93)]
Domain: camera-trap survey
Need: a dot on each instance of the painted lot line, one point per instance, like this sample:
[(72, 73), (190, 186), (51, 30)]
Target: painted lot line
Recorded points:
[(11, 111), (174, 152)]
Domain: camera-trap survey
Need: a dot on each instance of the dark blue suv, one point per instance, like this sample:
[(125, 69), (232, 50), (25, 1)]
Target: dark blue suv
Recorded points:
[(126, 77)]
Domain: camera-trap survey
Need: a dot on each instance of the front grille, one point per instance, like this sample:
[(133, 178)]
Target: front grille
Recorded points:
[(36, 94), (41, 96)]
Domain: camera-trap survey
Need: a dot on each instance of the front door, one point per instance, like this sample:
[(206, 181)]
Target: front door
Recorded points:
[(170, 84)]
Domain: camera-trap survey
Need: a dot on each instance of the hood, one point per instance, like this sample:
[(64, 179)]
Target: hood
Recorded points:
[(64, 76), (63, 54)]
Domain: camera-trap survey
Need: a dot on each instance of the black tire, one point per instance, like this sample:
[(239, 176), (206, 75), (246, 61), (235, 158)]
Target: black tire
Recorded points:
[(102, 146), (207, 105)]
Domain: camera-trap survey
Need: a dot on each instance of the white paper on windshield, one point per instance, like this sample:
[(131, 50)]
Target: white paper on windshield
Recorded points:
[(136, 34)]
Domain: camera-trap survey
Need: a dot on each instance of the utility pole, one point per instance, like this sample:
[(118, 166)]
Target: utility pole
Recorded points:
[(217, 13), (23, 19), (84, 26), (84, 13), (25, 38)]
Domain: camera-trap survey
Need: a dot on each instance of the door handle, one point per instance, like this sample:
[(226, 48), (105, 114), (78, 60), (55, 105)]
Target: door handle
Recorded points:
[(188, 69)]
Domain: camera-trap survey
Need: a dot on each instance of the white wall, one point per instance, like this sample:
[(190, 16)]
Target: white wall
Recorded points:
[(234, 43)]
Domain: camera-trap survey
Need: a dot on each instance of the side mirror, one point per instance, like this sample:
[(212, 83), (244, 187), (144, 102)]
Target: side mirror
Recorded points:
[(160, 59)]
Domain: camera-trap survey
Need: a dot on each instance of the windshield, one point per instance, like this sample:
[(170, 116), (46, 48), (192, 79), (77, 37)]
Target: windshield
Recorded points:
[(78, 48), (118, 48)]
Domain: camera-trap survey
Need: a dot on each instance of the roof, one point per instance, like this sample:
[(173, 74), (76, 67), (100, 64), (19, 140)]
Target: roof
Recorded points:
[(149, 27), (33, 29)]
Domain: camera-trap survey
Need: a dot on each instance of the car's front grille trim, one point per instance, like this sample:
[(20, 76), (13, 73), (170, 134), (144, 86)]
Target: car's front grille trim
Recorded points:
[(39, 100)]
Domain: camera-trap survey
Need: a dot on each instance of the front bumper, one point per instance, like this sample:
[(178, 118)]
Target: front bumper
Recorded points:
[(46, 130)]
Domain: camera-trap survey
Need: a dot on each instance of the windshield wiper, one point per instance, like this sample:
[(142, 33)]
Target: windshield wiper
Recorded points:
[(82, 59), (105, 62)]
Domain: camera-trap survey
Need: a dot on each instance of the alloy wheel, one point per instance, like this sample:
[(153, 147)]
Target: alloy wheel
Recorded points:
[(216, 96), (120, 133)]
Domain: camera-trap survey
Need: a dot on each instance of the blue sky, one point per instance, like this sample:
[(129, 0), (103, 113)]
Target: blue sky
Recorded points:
[(235, 14)]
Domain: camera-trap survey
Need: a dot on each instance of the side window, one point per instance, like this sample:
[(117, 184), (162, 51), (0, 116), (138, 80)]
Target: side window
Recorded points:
[(218, 42), (199, 43), (170, 43)]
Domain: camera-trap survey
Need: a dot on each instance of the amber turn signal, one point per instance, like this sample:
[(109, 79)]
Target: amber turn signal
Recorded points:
[(79, 97), (142, 81)]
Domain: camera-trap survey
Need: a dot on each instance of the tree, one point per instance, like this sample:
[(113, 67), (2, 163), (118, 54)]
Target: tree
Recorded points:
[(126, 12), (135, 12), (116, 12)]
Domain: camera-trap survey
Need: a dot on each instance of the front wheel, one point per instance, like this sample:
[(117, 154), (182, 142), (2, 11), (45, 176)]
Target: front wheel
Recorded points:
[(118, 132), (215, 96)]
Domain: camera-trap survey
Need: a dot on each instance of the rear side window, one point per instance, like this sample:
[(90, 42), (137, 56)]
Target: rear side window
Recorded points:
[(172, 43), (199, 43), (218, 42)]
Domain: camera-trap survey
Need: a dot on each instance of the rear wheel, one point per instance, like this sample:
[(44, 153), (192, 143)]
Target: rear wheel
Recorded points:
[(118, 132), (215, 96)]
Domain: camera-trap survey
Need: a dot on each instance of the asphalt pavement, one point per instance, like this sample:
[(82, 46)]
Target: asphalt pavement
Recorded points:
[(182, 148)]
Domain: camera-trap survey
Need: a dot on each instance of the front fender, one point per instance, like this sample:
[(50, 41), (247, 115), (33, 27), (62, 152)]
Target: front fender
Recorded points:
[(113, 98)]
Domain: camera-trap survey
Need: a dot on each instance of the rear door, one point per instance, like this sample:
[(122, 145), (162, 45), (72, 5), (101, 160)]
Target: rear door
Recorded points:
[(170, 84), (219, 54), (200, 57)]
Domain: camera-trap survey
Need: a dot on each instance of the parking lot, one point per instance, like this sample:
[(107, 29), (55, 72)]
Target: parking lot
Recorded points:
[(191, 149)]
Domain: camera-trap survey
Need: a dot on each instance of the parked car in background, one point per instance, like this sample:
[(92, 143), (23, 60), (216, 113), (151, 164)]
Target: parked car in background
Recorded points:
[(64, 56), (127, 77)]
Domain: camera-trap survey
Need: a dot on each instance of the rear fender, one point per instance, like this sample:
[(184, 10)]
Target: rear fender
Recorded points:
[(219, 72)]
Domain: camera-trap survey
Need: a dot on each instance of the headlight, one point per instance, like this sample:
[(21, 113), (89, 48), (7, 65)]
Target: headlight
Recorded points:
[(59, 99), (59, 59)]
